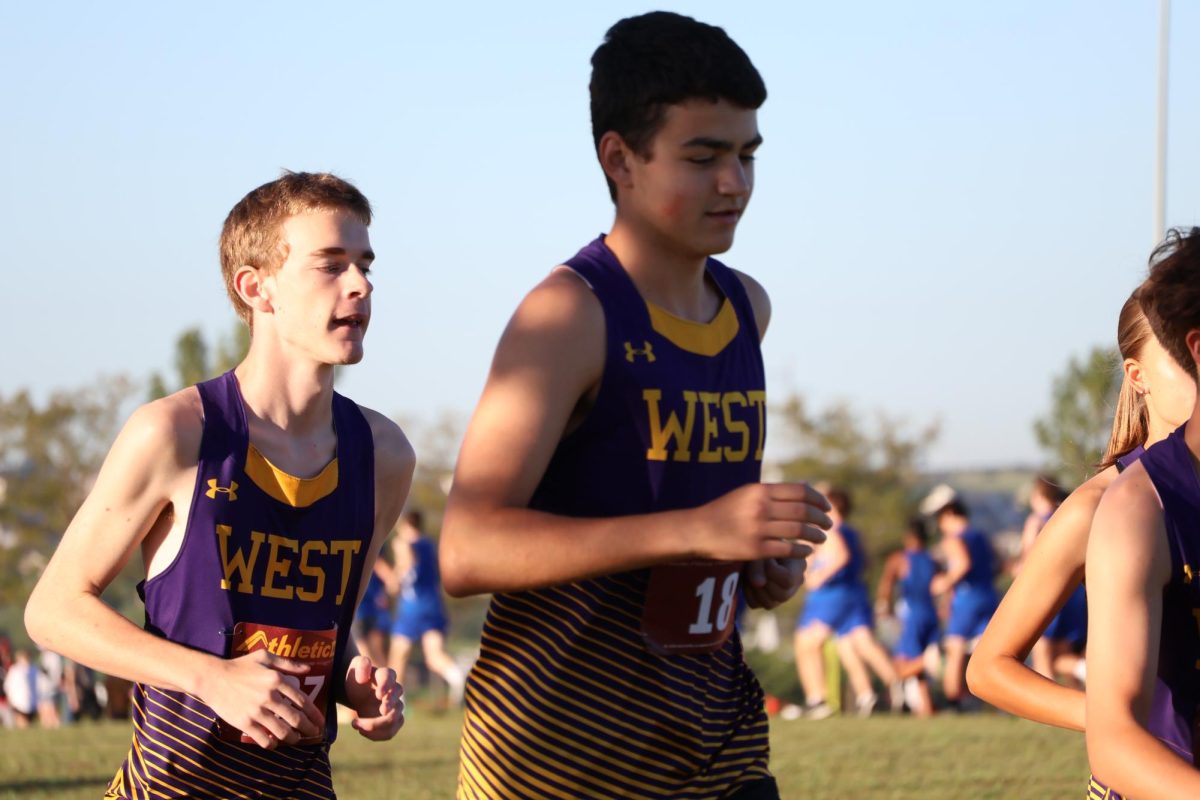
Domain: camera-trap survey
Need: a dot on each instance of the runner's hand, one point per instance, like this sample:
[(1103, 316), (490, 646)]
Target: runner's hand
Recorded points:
[(762, 520), (253, 693), (376, 697), (769, 582)]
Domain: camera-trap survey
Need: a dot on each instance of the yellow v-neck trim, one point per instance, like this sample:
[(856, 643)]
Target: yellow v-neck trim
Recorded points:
[(286, 488), (701, 338)]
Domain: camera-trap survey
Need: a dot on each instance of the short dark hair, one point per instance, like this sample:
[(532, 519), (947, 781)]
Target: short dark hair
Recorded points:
[(655, 60), (415, 518), (1049, 489), (1171, 295), (956, 507), (916, 528), (839, 498)]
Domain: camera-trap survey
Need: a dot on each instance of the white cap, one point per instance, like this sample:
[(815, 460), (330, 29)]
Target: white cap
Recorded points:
[(938, 498)]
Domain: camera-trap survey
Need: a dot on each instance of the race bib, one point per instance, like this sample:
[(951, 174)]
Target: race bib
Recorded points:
[(690, 606), (316, 648)]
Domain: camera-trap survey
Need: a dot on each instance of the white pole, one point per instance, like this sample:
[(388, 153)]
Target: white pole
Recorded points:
[(1160, 171)]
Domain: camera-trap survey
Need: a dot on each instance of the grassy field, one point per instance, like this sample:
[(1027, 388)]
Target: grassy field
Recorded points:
[(978, 756)]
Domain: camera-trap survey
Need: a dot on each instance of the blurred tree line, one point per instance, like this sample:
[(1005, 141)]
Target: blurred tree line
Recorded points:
[(50, 454), (1074, 432), (875, 457), (51, 451), (194, 363)]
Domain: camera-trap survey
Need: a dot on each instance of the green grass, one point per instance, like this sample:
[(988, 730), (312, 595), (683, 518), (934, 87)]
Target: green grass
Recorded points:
[(977, 756)]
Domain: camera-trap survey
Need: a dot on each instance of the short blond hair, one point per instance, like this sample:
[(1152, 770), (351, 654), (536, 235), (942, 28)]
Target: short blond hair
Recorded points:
[(251, 233)]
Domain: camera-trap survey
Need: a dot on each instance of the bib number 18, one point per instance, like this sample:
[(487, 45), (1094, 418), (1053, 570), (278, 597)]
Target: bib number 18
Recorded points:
[(704, 620), (690, 606)]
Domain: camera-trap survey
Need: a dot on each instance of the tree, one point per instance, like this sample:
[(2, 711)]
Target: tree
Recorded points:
[(51, 454), (876, 458), (437, 446), (1074, 432), (192, 362)]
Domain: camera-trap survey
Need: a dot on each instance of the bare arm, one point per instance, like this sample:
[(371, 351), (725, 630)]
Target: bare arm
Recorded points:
[(1127, 566), (149, 472), (372, 690), (769, 582), (550, 357), (885, 591), (958, 564), (834, 556), (1053, 569)]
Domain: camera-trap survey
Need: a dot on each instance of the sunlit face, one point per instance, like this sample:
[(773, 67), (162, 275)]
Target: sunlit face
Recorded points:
[(321, 298), (1169, 391), (695, 185)]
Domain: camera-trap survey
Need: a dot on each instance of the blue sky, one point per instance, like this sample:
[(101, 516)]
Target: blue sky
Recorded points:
[(953, 198)]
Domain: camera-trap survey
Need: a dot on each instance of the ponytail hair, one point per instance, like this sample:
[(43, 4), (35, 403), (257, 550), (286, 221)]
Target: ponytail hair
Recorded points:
[(1131, 424)]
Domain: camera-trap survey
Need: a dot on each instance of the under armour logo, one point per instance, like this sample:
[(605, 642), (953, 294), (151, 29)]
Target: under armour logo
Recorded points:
[(631, 352), (230, 491), (1188, 574)]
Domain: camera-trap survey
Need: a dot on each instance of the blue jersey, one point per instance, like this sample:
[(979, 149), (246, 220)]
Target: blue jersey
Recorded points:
[(633, 684), (981, 575), (420, 608), (268, 561), (373, 608), (975, 598), (914, 586), (423, 584), (851, 572), (920, 627)]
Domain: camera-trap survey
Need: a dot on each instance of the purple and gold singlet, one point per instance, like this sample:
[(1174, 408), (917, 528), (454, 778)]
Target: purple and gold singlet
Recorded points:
[(1177, 687), (633, 684), (1176, 698), (267, 561)]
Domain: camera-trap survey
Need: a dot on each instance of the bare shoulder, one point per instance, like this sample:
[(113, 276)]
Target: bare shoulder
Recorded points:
[(394, 454), (759, 300), (168, 428), (1131, 497), (557, 330), (1127, 537), (1061, 547), (561, 302), (1076, 512)]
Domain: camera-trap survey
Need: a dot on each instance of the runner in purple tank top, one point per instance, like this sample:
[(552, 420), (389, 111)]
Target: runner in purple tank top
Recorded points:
[(258, 501), (608, 491), (1143, 594), (1156, 397)]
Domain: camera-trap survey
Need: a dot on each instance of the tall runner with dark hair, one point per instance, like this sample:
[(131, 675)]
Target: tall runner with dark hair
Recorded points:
[(608, 486), (258, 502), (1143, 690)]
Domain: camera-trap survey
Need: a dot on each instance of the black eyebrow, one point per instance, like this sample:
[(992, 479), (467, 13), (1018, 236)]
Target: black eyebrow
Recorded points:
[(721, 145), (367, 255)]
